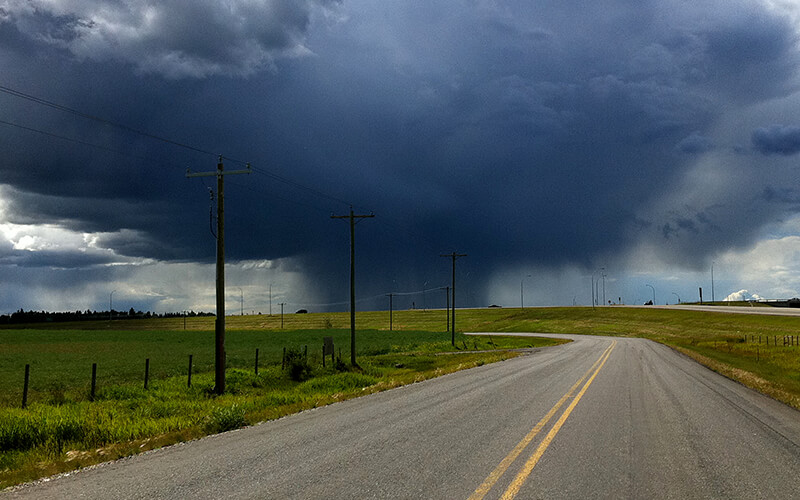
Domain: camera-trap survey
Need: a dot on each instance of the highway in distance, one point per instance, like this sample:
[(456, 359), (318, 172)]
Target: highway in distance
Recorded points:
[(599, 417)]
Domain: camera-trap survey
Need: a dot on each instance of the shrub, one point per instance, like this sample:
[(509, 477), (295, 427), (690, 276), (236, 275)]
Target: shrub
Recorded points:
[(297, 364), (224, 419)]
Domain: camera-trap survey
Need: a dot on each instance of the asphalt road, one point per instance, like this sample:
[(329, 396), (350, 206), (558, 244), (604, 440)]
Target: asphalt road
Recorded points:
[(596, 418), (767, 311)]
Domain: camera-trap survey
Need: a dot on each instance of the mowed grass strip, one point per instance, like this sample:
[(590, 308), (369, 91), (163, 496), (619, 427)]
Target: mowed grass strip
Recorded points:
[(62, 430)]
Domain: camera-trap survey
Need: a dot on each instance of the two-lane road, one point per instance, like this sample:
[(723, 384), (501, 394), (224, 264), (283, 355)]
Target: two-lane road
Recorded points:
[(597, 418)]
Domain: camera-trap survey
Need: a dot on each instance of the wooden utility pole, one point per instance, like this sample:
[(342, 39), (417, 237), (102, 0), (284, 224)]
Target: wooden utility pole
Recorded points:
[(352, 218), (447, 300), (219, 323), (453, 256), (391, 295)]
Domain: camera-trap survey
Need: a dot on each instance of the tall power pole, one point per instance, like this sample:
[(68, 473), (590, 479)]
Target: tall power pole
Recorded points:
[(453, 256), (352, 218), (447, 301), (219, 324), (390, 310)]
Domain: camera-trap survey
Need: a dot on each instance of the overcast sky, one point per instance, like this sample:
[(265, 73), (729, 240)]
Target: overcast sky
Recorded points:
[(551, 141)]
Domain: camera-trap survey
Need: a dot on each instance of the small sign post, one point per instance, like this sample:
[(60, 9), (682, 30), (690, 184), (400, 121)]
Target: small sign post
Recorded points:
[(327, 348)]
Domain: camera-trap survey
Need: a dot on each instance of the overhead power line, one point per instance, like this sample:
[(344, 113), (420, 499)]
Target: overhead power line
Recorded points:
[(121, 126), (290, 182), (60, 107), (77, 141)]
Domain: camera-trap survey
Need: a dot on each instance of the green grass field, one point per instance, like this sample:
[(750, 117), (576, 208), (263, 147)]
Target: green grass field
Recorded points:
[(61, 360)]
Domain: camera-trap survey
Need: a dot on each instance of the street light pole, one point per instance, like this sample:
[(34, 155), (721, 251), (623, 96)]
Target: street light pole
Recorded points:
[(679, 297), (241, 302), (604, 285), (712, 281), (111, 305), (521, 292), (654, 293)]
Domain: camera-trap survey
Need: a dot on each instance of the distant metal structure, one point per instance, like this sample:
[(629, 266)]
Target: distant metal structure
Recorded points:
[(521, 292), (712, 282), (219, 323)]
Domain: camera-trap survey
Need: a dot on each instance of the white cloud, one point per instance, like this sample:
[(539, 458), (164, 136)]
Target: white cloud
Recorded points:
[(771, 265), (742, 295)]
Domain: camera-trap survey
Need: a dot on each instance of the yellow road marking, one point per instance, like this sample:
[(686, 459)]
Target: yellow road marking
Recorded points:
[(498, 472), (515, 485)]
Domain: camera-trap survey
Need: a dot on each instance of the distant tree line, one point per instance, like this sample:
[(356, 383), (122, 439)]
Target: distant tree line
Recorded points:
[(23, 316)]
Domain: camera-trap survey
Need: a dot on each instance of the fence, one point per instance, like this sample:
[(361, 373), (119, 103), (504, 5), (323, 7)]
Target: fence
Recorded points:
[(327, 348)]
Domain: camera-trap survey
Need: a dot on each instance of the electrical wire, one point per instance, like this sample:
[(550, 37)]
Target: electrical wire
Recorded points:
[(107, 122), (382, 221), (78, 141), (297, 185), (60, 107), (365, 299)]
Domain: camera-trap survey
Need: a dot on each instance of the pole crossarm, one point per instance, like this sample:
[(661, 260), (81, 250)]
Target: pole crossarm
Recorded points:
[(218, 172), (352, 217)]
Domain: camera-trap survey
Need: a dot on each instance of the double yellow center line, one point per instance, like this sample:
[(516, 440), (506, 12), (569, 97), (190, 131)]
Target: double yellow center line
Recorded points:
[(526, 470)]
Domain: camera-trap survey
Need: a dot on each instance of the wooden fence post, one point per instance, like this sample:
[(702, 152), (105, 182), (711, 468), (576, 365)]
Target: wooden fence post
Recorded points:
[(94, 381), (146, 372), (25, 386)]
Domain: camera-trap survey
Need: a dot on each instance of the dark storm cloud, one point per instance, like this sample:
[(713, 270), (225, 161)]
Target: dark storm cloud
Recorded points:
[(518, 133), (172, 38), (751, 53), (777, 139), (695, 144)]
